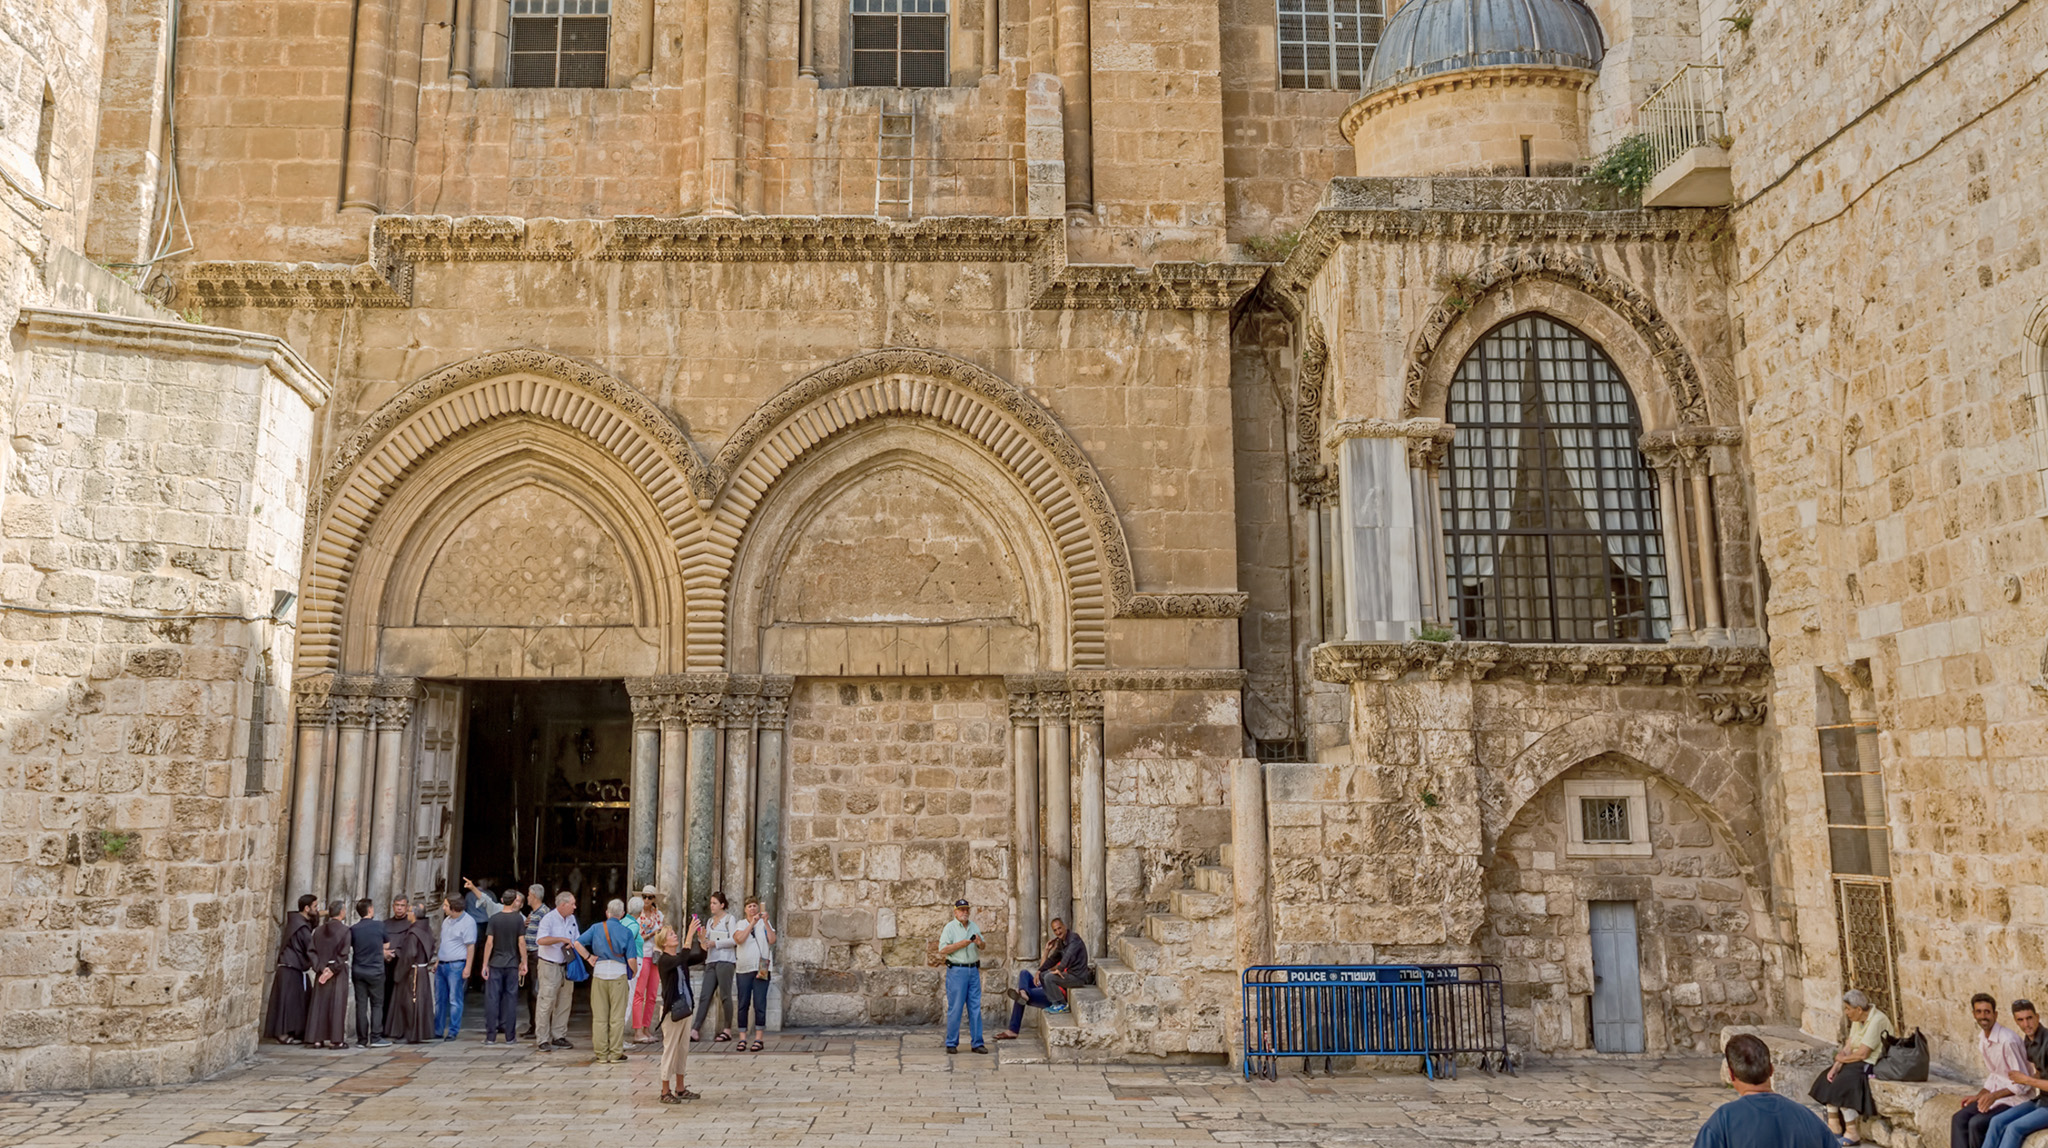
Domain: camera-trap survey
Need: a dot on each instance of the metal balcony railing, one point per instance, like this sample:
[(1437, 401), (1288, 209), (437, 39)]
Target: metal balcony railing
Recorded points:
[(1684, 114)]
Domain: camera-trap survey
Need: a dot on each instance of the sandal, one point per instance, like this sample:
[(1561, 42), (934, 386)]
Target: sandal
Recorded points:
[(667, 1097), (722, 1037), (757, 1047), (686, 1094)]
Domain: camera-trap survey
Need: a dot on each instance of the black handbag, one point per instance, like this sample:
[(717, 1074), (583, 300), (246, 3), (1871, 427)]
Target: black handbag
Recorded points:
[(686, 1001), (1903, 1059)]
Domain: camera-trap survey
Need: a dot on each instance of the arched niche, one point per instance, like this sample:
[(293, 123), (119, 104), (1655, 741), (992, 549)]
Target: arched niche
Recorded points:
[(515, 550), (899, 548)]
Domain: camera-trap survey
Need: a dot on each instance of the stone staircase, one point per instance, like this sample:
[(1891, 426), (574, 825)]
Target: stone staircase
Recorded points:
[(1164, 993)]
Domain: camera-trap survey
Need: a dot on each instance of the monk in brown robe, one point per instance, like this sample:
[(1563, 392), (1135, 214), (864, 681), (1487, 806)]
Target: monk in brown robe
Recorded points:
[(285, 1022), (327, 1012), (410, 1017)]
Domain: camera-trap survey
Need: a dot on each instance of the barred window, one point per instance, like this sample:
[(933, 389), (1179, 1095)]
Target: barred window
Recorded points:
[(560, 43), (1550, 517), (899, 43), (1328, 43), (1604, 820)]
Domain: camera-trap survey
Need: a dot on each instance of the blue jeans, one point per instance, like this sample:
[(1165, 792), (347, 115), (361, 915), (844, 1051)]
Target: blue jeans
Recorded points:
[(448, 990), (1033, 993), (752, 991), (963, 990), (2010, 1128), (501, 1003)]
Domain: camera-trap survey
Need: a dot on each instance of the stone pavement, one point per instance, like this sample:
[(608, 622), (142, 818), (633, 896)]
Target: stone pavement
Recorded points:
[(853, 1088)]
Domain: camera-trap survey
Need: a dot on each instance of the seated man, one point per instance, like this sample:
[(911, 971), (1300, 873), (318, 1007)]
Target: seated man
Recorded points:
[(2005, 1056), (1758, 1117), (1064, 966)]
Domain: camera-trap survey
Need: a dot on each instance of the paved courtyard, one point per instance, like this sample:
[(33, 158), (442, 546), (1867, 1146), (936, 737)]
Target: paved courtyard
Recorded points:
[(855, 1088)]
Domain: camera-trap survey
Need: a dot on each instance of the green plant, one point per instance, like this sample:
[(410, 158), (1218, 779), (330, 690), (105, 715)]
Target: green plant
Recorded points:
[(114, 844), (1740, 21), (1462, 290), (1628, 166), (1431, 632), (1273, 248), (193, 316), (1430, 800)]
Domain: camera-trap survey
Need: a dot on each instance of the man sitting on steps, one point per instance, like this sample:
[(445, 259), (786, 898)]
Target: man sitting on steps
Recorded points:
[(1064, 966)]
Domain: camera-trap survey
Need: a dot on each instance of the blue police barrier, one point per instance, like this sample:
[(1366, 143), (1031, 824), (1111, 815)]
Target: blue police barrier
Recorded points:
[(1434, 1012)]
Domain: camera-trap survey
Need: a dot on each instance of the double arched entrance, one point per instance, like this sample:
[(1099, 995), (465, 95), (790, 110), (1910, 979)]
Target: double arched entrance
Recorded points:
[(543, 637)]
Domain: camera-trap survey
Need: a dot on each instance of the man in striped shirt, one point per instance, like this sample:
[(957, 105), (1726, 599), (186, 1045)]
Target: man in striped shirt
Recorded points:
[(536, 908)]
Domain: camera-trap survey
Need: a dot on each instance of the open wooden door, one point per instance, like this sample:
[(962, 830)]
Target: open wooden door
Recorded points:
[(440, 759)]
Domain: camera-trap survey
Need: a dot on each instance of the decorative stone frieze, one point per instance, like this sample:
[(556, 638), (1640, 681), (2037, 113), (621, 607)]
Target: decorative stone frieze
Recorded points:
[(1737, 708), (398, 243), (1597, 664), (1230, 605)]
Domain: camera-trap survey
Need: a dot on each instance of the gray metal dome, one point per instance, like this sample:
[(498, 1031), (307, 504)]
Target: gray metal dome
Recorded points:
[(1429, 36)]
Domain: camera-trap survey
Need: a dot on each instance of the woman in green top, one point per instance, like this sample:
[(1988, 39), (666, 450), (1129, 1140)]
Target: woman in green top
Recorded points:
[(1844, 1089)]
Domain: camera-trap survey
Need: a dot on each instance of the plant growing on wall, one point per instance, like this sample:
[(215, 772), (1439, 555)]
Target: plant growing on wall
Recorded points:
[(1461, 289), (1431, 632), (1627, 166), (1273, 248), (113, 845), (1740, 21)]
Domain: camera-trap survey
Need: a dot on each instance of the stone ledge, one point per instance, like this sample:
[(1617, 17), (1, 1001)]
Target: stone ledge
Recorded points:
[(1588, 664), (170, 338), (398, 243)]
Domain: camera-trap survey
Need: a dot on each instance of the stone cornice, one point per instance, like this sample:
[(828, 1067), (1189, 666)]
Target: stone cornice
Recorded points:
[(1096, 681), (172, 339), (1589, 664), (398, 243), (1220, 605), (1477, 210)]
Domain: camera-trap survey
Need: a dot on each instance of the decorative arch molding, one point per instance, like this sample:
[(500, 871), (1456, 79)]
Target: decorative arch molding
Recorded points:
[(995, 414), (1435, 355), (1311, 380), (1717, 789), (368, 470)]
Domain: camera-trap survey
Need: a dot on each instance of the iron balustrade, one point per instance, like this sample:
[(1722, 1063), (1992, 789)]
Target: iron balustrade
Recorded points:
[(1433, 1012), (1685, 113)]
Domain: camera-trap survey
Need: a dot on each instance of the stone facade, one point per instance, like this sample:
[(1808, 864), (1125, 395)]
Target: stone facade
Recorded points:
[(966, 486)]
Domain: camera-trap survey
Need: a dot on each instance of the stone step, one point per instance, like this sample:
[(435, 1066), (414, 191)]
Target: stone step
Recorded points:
[(1226, 856), (1096, 1013), (1117, 979), (1213, 879), (1140, 954), (1169, 928), (1197, 905)]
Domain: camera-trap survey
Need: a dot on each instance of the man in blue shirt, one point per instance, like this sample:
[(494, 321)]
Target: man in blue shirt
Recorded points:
[(613, 951), (453, 960), (1758, 1117)]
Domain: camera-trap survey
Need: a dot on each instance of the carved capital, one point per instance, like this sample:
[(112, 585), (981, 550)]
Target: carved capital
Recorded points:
[(354, 710), (647, 709), (1737, 708), (393, 711), (1426, 451), (313, 700), (703, 708), (1023, 709), (738, 711), (1055, 706), (1087, 705)]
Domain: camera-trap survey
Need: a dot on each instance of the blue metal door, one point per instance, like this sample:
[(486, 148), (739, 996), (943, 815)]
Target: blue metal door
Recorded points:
[(1617, 978)]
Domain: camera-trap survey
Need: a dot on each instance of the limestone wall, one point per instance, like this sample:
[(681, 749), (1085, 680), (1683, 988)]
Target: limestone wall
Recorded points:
[(155, 503), (1896, 451)]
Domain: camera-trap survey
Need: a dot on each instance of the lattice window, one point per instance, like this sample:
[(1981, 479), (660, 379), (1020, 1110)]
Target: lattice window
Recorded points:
[(1604, 820), (1859, 846), (899, 44), (1327, 43), (1550, 517), (560, 43)]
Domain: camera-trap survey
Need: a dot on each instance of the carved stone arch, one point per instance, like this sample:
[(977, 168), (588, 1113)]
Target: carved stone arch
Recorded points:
[(997, 415), (1710, 781), (1610, 310), (574, 398)]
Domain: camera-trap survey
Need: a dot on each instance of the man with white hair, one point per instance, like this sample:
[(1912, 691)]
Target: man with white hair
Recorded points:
[(556, 939), (613, 950)]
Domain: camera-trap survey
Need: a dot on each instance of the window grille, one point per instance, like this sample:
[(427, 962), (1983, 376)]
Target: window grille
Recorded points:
[(1605, 820), (1550, 517), (899, 43), (1327, 44), (560, 43), (1859, 847)]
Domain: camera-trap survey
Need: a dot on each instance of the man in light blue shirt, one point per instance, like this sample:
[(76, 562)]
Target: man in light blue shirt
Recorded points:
[(451, 968), (614, 953), (960, 944)]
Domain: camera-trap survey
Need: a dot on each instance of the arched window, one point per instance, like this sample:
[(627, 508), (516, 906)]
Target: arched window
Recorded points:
[(1550, 517)]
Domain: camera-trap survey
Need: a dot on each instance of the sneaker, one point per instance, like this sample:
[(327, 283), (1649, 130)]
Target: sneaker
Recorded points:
[(563, 1042), (490, 1040), (380, 1042), (1056, 1007), (544, 1048), (952, 1050), (981, 1048), (620, 1058)]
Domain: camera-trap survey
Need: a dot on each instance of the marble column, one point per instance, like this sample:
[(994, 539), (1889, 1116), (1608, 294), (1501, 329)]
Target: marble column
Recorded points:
[(675, 744), (394, 709), (701, 803), (737, 715), (313, 772), (1382, 594), (1713, 625), (643, 820), (1663, 460), (1024, 807), (768, 767), (1077, 111), (1055, 710), (352, 733), (1093, 870), (363, 171)]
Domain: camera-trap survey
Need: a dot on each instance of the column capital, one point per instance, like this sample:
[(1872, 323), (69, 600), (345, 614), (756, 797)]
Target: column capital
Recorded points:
[(1428, 445), (392, 711), (737, 711), (1055, 704), (313, 699), (702, 708), (647, 708), (1087, 705), (354, 710)]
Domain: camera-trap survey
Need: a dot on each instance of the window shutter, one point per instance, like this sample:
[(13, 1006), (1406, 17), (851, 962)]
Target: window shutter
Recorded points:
[(924, 52), (874, 51), (533, 51)]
